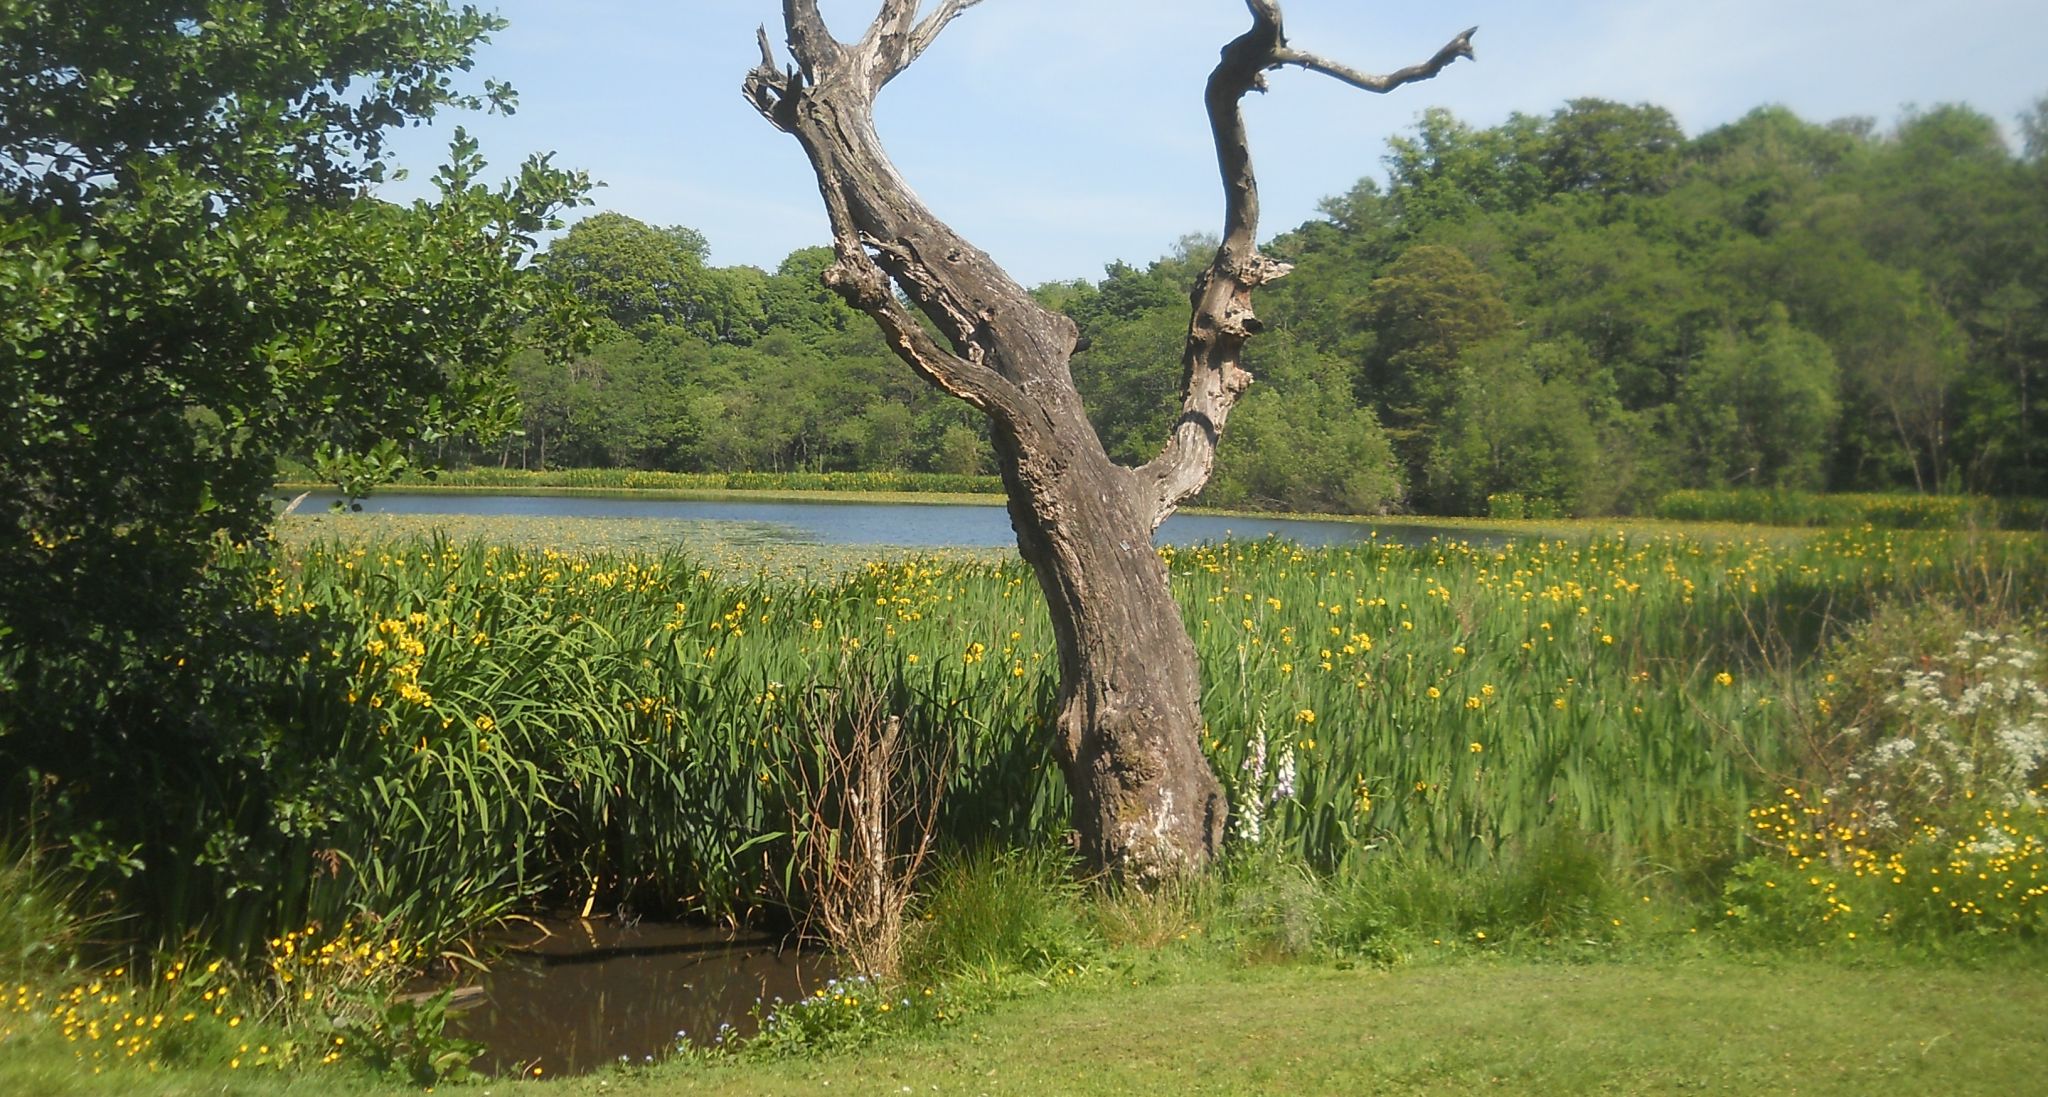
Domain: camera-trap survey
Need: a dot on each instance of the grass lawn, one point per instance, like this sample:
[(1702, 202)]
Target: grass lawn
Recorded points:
[(1667, 1026)]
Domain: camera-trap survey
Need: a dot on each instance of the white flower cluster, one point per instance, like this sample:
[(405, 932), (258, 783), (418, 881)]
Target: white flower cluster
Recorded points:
[(1971, 723), (1257, 790), (1248, 813)]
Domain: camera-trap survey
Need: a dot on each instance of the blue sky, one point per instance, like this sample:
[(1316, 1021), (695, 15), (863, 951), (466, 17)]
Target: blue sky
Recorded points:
[(1062, 134)]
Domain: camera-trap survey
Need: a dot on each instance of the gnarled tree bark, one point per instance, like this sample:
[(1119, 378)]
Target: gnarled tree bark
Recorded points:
[(1128, 731)]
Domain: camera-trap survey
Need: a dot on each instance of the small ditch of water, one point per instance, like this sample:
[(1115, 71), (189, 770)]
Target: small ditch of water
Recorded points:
[(570, 995)]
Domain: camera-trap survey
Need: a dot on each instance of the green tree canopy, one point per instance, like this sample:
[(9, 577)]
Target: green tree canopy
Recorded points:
[(1760, 408), (196, 278), (638, 274)]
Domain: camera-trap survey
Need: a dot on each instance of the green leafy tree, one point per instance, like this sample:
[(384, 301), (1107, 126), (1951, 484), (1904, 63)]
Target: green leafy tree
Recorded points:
[(1302, 442), (1608, 149), (1520, 427), (637, 274), (1431, 305), (1760, 408), (2003, 428), (1118, 375), (1310, 449), (196, 280), (961, 451), (1759, 172), (795, 299), (1448, 172)]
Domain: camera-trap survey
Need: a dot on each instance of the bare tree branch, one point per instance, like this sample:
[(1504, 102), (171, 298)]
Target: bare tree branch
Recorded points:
[(884, 50), (1461, 46), (896, 17), (810, 41), (897, 38), (1222, 319), (880, 229), (858, 279), (928, 31), (766, 87)]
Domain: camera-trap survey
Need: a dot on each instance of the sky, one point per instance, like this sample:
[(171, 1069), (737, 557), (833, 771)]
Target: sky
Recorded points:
[(1060, 135)]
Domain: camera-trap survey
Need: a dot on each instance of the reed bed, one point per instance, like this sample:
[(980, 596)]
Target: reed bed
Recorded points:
[(1785, 507), (603, 728)]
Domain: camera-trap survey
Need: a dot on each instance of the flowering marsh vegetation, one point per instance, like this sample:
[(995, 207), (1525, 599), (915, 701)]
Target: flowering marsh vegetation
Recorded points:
[(603, 727), (312, 998), (1896, 510), (1920, 808), (1417, 741)]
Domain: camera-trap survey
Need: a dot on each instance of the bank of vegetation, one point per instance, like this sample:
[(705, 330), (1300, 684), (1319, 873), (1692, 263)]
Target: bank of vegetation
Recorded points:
[(1833, 742), (1887, 511)]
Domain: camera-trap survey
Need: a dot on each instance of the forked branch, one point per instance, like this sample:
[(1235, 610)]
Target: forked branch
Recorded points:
[(1461, 46), (810, 40), (1222, 321), (897, 38), (881, 232), (858, 279)]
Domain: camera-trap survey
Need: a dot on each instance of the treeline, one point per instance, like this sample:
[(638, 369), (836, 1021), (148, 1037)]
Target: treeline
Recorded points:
[(1577, 313), (1583, 312), (694, 368)]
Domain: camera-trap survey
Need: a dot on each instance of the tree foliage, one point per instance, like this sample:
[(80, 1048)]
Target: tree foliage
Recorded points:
[(1581, 311), (196, 279)]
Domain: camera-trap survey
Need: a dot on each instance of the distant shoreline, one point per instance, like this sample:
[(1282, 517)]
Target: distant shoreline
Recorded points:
[(1549, 528), (762, 495)]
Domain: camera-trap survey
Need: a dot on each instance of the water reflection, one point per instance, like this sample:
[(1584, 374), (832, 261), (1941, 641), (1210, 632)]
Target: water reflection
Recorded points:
[(908, 525), (573, 995)]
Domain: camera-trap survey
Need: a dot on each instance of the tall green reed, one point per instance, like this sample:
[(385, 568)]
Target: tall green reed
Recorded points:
[(613, 728), (1786, 507)]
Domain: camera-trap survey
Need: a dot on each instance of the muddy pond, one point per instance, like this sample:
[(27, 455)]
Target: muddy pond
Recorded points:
[(573, 995)]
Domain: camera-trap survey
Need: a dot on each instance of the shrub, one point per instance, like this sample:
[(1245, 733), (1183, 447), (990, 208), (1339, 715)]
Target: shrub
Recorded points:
[(1919, 808), (41, 924), (865, 818)]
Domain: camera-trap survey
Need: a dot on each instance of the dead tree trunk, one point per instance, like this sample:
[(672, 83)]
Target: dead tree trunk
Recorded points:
[(1128, 732)]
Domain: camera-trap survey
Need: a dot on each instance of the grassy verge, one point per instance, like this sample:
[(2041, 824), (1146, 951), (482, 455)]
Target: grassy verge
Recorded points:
[(1705, 1024)]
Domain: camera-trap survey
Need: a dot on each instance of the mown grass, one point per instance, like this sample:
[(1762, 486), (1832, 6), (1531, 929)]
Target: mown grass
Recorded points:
[(1675, 1025)]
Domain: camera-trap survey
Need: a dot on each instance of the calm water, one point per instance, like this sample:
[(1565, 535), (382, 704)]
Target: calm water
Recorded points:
[(908, 525), (570, 996)]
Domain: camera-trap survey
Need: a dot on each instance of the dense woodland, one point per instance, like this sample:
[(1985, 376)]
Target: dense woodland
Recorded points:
[(1572, 313)]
